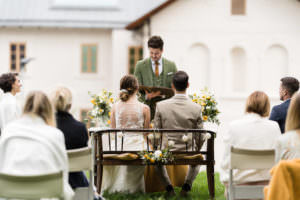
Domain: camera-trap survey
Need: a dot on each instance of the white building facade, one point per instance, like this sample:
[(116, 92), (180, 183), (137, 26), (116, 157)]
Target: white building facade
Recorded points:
[(80, 45), (232, 54)]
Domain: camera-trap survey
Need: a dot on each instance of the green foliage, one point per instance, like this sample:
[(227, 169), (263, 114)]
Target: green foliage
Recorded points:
[(199, 192)]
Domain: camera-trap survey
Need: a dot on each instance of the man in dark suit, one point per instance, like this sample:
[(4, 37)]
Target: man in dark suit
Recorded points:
[(288, 86)]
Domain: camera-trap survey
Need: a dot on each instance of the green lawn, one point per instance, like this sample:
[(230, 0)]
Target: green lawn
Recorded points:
[(199, 191)]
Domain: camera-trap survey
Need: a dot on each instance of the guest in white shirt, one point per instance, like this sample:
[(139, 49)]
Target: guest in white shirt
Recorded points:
[(288, 145), (9, 108), (252, 131), (32, 145)]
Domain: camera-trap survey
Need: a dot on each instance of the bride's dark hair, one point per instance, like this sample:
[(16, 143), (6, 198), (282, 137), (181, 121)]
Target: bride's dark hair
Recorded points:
[(128, 86)]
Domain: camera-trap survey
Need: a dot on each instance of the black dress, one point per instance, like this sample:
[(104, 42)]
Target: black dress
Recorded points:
[(76, 136)]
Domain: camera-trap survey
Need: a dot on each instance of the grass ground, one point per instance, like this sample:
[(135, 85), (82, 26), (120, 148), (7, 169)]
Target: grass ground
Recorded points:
[(199, 191)]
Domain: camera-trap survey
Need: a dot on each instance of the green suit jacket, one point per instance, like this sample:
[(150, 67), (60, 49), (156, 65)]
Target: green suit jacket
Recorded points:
[(145, 75)]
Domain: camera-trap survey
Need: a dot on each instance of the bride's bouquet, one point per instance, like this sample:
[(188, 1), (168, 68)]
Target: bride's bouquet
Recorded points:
[(102, 104), (209, 105)]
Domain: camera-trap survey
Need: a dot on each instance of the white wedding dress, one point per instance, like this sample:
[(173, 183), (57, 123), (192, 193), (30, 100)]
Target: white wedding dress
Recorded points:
[(129, 179)]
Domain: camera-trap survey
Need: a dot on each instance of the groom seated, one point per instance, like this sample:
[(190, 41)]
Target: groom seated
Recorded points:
[(179, 112)]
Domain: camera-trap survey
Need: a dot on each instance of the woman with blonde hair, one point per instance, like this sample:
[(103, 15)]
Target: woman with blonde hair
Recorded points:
[(252, 131), (75, 132), (288, 144), (127, 113), (32, 145)]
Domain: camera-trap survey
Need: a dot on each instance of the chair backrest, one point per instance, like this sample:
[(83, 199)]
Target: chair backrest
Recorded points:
[(244, 159), (251, 159), (80, 159), (31, 187)]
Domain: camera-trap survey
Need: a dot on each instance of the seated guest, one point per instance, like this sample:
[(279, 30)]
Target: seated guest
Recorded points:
[(285, 182), (288, 86), (9, 108), (179, 112), (32, 145), (75, 132), (288, 144), (127, 113), (252, 131)]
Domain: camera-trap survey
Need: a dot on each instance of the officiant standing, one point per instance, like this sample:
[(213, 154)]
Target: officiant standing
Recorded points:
[(155, 71)]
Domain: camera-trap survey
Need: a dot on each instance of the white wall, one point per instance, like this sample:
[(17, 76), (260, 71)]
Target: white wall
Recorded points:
[(57, 60), (268, 34), (184, 24)]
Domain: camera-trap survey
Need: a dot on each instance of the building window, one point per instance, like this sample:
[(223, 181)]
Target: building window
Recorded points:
[(238, 7), (84, 118), (135, 53), (17, 53), (89, 58)]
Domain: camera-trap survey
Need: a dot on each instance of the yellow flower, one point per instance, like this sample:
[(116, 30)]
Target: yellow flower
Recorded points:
[(208, 98), (108, 121), (93, 101), (150, 153), (203, 104), (205, 118), (195, 95), (194, 100), (91, 117), (109, 114), (152, 160), (101, 110), (160, 155), (151, 125), (145, 156), (111, 100), (204, 97)]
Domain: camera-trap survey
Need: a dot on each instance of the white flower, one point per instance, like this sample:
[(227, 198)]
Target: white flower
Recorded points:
[(206, 136), (185, 138), (157, 153), (94, 112), (151, 136), (171, 143)]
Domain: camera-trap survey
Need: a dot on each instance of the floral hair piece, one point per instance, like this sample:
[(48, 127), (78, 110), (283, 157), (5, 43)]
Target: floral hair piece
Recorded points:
[(124, 90)]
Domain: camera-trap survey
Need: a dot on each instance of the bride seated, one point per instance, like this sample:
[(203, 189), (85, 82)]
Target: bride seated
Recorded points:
[(127, 113)]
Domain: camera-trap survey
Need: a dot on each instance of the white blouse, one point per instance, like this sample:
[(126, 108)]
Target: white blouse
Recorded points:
[(9, 109), (288, 146), (250, 132), (28, 146)]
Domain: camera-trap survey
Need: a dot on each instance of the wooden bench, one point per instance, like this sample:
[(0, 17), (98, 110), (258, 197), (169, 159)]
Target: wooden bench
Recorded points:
[(110, 156)]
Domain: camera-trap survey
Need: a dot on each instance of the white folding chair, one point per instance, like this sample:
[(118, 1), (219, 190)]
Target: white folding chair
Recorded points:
[(245, 159), (31, 187), (80, 160)]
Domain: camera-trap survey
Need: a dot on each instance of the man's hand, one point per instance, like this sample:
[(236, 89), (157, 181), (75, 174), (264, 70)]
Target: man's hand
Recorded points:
[(151, 95)]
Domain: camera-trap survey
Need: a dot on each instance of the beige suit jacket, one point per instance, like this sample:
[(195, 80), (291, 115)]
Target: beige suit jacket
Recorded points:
[(179, 112)]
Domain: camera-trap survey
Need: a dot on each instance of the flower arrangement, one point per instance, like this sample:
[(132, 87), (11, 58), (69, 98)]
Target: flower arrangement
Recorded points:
[(158, 156), (102, 104), (209, 105)]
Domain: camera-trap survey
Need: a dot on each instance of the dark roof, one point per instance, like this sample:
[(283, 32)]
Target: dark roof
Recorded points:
[(140, 21)]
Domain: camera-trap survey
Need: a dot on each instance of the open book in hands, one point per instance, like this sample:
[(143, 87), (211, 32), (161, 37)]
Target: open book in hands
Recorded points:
[(162, 92)]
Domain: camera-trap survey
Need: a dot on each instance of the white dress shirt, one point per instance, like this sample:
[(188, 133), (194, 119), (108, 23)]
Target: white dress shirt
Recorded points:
[(160, 68), (28, 146), (9, 109), (250, 132)]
